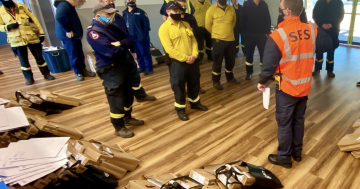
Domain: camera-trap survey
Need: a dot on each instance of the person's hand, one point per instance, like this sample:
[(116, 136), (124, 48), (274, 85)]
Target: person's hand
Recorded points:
[(116, 44), (314, 24), (42, 38), (134, 55), (191, 59), (261, 87), (70, 34), (12, 26)]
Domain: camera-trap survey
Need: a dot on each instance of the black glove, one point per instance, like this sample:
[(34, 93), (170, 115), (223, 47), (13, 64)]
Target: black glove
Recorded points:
[(42, 38), (12, 26)]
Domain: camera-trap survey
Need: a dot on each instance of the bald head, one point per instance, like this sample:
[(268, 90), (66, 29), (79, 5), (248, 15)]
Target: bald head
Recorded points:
[(295, 6)]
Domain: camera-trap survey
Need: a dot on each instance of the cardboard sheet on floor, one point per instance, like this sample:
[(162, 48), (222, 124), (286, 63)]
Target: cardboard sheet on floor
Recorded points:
[(203, 177), (350, 142), (356, 154), (159, 180), (141, 184), (356, 124)]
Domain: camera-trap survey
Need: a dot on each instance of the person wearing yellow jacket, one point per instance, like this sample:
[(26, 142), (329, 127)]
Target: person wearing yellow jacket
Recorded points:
[(201, 7), (15, 20)]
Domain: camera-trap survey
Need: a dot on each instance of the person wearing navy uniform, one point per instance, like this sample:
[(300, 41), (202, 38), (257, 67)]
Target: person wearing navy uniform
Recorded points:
[(190, 9), (138, 25), (111, 49), (237, 29), (138, 89)]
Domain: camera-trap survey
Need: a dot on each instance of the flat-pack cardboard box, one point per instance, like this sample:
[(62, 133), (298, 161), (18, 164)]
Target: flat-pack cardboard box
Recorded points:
[(357, 130), (57, 129), (61, 99), (32, 130), (203, 177), (160, 180), (212, 168), (188, 183), (50, 177), (40, 184), (82, 157), (232, 182), (22, 135), (120, 159), (350, 142), (141, 184), (211, 186), (356, 154), (7, 137), (34, 112), (356, 124), (118, 172)]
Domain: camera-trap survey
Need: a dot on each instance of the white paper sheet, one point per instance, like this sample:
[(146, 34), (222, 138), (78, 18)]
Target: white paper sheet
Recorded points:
[(3, 101), (3, 118), (16, 118), (266, 98), (16, 171)]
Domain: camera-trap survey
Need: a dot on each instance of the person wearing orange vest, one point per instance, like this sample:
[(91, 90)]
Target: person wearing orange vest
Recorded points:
[(289, 54)]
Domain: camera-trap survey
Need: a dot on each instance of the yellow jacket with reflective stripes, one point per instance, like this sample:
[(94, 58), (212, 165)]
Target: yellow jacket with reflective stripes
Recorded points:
[(24, 35), (178, 40), (200, 12), (221, 23), (188, 9)]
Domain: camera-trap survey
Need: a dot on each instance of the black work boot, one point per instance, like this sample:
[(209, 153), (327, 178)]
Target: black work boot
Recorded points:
[(234, 81), (182, 115), (296, 158), (147, 98), (248, 76), (123, 132), (1, 72), (316, 72), (274, 160), (87, 73), (49, 77), (209, 55), (130, 121), (201, 57), (30, 81), (330, 74), (198, 106), (358, 84), (218, 86), (202, 91), (141, 71), (147, 72)]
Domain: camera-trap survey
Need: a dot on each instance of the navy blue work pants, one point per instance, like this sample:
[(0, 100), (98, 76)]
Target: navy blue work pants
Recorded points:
[(77, 59)]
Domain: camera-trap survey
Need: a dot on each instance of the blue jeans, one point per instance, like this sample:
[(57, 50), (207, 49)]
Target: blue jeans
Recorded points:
[(142, 50), (77, 59)]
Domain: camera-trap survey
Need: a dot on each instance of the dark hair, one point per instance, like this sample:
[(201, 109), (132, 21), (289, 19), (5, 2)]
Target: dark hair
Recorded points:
[(180, 1), (296, 6)]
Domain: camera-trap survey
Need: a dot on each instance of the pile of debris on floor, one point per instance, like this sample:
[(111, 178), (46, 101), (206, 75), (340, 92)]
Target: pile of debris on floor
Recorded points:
[(37, 153), (236, 175), (351, 142)]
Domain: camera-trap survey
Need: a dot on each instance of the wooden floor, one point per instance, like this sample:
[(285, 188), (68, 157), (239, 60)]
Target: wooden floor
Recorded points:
[(236, 127)]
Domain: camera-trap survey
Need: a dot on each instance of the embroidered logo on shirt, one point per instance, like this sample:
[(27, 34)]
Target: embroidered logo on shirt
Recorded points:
[(94, 35)]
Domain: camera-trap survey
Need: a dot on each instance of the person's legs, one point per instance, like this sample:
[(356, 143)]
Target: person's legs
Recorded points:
[(22, 53), (208, 41), (178, 81), (261, 46), (140, 58), (298, 126), (193, 82), (250, 49), (77, 59), (243, 43), (318, 62), (330, 61), (200, 38), (138, 90), (285, 106), (230, 54), (36, 51), (219, 51)]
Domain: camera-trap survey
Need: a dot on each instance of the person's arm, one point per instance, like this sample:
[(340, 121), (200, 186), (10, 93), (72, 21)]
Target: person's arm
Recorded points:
[(317, 15), (209, 20), (103, 45), (340, 15), (146, 23), (267, 19), (3, 26), (323, 41), (192, 9), (61, 16), (272, 57), (164, 36), (243, 19), (234, 21), (194, 46)]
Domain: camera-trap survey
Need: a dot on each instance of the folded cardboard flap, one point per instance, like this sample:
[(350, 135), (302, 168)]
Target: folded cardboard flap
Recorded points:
[(50, 177), (22, 135), (7, 137), (356, 154), (350, 142), (188, 183), (141, 184), (159, 180), (212, 168), (357, 130), (203, 177), (118, 172), (356, 124), (211, 186), (113, 147), (61, 99), (33, 112), (40, 184), (32, 130)]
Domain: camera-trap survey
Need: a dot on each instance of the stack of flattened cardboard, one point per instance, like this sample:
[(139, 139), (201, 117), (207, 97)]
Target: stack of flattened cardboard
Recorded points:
[(351, 142), (111, 159)]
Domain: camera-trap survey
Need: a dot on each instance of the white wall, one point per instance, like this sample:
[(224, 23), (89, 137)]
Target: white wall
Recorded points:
[(274, 10)]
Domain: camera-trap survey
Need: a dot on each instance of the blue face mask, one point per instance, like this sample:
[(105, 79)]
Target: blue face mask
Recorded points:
[(106, 20), (78, 7)]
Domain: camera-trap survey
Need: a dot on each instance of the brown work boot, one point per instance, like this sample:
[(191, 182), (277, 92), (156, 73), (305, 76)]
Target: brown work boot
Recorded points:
[(124, 133), (130, 121), (87, 73), (147, 98)]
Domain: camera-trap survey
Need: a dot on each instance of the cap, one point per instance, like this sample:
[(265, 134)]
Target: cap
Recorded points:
[(172, 5), (108, 8)]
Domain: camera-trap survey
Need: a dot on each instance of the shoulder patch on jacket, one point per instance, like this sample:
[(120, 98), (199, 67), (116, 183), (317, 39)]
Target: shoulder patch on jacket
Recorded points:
[(94, 35)]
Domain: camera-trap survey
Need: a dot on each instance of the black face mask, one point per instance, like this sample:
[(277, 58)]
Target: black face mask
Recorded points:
[(222, 2), (113, 5), (281, 13), (131, 4), (8, 3), (175, 16)]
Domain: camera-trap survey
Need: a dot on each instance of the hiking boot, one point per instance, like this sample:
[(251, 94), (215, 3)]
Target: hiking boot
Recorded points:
[(124, 133), (147, 98), (87, 73), (30, 81), (130, 121), (248, 77), (49, 77), (199, 106), (79, 77), (316, 72), (148, 72), (1, 72), (234, 81), (296, 158), (202, 91), (358, 84), (331, 74), (274, 160), (141, 71), (182, 115), (218, 86)]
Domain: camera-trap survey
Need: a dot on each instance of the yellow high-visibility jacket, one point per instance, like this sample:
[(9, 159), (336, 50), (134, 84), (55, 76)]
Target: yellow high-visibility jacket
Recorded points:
[(23, 35)]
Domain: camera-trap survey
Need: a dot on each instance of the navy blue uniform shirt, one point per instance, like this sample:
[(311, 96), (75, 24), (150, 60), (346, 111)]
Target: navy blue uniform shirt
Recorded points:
[(100, 39), (137, 23), (67, 20)]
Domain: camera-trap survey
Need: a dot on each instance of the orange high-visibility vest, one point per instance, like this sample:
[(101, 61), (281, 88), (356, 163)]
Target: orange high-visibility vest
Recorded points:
[(297, 43)]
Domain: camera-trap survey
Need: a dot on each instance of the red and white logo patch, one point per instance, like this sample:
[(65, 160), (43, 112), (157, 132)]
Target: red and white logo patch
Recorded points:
[(94, 35)]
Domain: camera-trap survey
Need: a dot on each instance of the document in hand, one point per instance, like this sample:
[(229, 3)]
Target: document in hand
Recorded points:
[(266, 98)]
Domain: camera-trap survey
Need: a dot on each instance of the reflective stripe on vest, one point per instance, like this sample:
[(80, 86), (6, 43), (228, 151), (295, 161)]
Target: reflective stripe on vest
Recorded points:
[(298, 82), (188, 10), (289, 56)]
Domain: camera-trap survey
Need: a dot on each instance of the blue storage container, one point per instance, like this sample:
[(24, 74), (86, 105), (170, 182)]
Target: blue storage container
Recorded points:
[(57, 59)]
